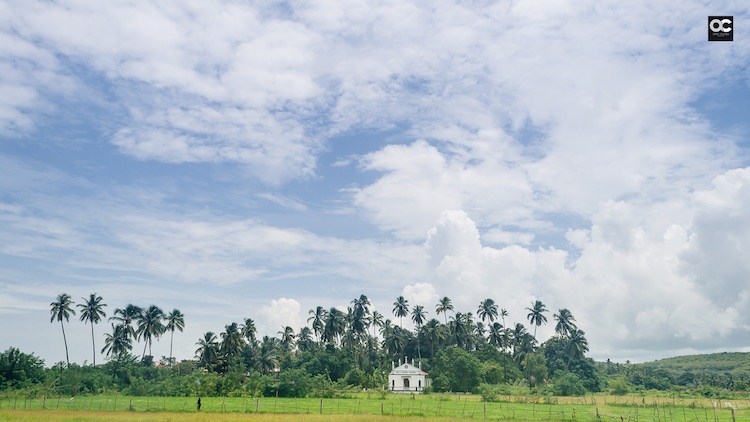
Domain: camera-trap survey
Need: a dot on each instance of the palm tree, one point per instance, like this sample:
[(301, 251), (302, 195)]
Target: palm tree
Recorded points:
[(443, 306), (487, 310), (305, 342), (460, 329), (287, 338), (231, 342), (150, 326), (376, 320), (59, 310), (335, 325), (434, 333), (360, 316), (565, 322), (127, 317), (92, 312), (496, 335), (536, 315), (401, 309), (578, 345), (318, 319), (117, 343), (268, 356), (418, 315), (175, 321), (249, 330), (208, 351), (503, 313)]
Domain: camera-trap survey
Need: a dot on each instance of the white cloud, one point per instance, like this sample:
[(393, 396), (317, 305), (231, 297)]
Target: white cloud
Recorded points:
[(420, 294), (280, 313)]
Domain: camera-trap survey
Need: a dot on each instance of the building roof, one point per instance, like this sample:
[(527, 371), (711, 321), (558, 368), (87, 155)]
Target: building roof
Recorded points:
[(407, 369)]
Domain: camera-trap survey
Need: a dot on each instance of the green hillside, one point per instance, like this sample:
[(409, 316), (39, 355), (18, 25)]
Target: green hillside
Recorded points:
[(735, 363)]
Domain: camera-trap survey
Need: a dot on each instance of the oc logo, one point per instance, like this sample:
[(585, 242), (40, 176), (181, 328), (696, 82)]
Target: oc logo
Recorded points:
[(720, 25)]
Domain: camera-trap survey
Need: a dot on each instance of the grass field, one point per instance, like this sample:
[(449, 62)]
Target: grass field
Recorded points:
[(443, 407)]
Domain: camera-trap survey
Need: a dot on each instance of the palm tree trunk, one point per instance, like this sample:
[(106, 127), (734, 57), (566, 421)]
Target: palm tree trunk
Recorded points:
[(93, 344), (65, 340), (171, 339), (145, 343)]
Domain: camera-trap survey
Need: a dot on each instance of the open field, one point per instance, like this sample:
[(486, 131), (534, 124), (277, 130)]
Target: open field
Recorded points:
[(443, 407)]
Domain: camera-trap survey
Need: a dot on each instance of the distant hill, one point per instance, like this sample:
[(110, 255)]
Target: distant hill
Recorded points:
[(736, 363)]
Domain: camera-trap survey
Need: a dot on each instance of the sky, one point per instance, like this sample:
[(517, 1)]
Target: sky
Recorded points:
[(256, 159)]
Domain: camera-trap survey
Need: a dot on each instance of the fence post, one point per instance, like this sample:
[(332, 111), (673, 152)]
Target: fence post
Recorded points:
[(321, 405), (733, 419)]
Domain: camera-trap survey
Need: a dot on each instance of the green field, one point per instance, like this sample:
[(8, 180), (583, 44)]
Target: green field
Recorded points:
[(427, 407)]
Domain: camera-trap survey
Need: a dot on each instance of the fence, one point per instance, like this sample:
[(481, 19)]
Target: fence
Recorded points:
[(429, 406)]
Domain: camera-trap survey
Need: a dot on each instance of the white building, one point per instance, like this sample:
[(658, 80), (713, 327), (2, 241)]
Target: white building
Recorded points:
[(407, 378)]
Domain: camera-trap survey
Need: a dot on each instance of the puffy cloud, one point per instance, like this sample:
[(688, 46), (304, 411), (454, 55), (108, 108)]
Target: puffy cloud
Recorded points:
[(280, 313)]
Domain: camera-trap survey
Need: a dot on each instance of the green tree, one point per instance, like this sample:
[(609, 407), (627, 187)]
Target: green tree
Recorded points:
[(150, 326), (487, 310), (249, 330), (335, 325), (443, 306), (565, 322), (418, 315), (19, 370), (536, 315), (455, 369), (175, 321), (434, 333), (127, 317), (60, 310), (287, 338), (318, 318), (377, 321), (92, 312), (401, 309), (231, 343), (207, 351)]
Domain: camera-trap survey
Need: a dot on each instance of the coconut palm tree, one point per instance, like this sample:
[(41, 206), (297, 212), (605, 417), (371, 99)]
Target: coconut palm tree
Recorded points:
[(175, 321), (150, 326), (335, 326), (268, 354), (318, 319), (503, 313), (92, 312), (287, 338), (231, 343), (360, 316), (249, 330), (305, 342), (127, 316), (487, 310), (401, 309), (434, 333), (565, 322), (443, 306), (376, 320), (208, 351), (536, 315), (60, 309), (418, 315), (496, 335), (461, 327), (117, 343), (578, 345)]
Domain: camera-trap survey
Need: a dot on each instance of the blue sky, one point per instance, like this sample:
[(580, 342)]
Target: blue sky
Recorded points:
[(258, 159)]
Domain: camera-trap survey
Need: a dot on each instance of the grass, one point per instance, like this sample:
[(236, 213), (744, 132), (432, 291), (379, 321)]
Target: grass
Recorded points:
[(442, 407)]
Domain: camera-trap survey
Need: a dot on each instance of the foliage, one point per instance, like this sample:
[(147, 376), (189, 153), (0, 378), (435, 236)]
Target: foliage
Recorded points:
[(455, 369), (19, 370)]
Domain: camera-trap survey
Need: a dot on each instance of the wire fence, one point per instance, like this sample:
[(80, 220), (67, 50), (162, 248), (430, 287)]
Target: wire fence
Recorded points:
[(442, 406)]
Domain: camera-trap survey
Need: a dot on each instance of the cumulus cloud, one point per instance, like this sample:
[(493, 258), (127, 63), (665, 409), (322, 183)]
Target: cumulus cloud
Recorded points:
[(280, 313)]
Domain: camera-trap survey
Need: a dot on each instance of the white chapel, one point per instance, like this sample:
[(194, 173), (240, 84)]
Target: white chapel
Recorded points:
[(407, 378)]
